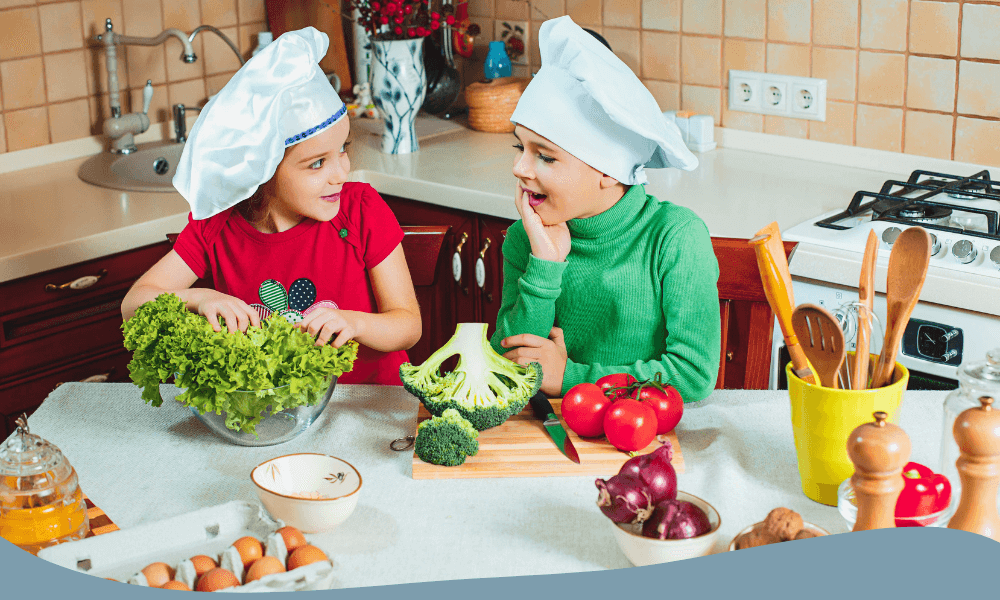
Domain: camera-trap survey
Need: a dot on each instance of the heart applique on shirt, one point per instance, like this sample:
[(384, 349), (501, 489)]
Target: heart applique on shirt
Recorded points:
[(294, 304)]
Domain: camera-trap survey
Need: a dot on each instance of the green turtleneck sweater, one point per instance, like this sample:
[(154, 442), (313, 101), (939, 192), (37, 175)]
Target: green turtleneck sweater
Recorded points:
[(637, 294)]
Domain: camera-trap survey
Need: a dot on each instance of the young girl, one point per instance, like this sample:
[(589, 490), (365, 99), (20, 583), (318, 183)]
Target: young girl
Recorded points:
[(599, 276), (276, 225)]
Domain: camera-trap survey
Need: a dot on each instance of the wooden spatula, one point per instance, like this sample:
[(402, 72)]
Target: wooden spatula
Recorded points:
[(866, 296), (908, 262), (822, 339)]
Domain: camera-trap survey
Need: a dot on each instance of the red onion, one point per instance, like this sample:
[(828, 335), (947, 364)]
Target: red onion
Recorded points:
[(624, 499), (676, 520), (655, 472)]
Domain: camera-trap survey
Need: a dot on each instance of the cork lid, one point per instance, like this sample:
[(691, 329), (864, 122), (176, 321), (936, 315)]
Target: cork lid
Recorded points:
[(878, 446), (977, 429)]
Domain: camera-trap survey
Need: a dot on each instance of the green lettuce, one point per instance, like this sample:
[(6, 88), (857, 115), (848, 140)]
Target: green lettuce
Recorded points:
[(167, 340)]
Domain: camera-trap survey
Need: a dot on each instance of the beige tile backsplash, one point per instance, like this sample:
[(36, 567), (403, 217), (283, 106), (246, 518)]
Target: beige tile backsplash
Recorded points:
[(921, 77)]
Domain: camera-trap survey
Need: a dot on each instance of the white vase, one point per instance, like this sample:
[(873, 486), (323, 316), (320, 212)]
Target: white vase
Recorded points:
[(398, 84), (362, 50)]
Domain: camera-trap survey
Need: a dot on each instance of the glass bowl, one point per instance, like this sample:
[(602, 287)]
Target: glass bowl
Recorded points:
[(274, 428), (848, 508)]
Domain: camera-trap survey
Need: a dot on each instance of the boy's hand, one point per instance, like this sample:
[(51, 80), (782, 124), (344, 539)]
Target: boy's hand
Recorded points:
[(548, 242), (550, 353), (325, 322), (237, 313)]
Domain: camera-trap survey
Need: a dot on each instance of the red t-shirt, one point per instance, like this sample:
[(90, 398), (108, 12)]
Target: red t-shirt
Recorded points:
[(312, 264)]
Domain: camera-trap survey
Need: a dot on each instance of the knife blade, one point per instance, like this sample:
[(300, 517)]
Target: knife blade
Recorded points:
[(543, 410)]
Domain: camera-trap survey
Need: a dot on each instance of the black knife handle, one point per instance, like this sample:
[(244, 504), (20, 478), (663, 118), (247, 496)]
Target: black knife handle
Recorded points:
[(541, 405)]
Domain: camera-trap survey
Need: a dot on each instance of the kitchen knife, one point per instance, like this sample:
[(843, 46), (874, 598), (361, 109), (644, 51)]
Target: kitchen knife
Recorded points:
[(543, 410)]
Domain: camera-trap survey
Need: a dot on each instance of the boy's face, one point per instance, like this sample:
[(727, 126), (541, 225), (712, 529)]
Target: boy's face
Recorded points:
[(309, 178), (561, 186)]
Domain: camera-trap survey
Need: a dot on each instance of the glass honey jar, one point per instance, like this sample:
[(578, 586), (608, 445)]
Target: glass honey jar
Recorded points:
[(975, 380), (41, 503)]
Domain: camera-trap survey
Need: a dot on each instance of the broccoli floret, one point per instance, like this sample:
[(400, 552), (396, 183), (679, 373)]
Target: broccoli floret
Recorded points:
[(485, 388), (446, 440)]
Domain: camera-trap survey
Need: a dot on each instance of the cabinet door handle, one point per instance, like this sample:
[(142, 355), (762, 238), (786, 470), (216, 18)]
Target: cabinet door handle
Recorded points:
[(456, 262), (80, 283), (481, 264)]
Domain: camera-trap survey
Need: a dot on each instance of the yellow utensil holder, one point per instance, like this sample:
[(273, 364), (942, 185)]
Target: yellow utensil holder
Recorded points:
[(823, 418)]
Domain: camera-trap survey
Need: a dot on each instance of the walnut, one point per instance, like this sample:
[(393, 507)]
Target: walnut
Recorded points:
[(783, 523), (757, 537), (805, 533)]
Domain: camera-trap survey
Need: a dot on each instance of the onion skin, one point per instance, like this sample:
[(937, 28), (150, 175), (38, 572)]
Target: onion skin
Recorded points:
[(655, 472), (624, 499), (676, 520)]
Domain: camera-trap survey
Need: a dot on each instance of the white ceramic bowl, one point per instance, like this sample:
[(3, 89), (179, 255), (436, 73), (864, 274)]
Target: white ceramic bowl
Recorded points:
[(311, 492), (642, 551), (805, 525)]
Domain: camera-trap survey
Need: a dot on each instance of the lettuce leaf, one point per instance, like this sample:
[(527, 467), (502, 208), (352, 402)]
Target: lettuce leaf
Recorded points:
[(235, 373)]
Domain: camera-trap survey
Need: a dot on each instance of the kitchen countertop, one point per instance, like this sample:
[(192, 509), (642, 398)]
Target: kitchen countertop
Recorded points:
[(141, 464), (53, 219)]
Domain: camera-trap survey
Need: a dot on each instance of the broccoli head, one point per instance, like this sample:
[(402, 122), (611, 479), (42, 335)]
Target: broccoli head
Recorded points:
[(485, 388), (446, 440)]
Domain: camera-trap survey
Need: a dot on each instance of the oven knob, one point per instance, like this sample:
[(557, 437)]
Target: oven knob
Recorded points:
[(890, 234), (935, 245), (964, 251), (847, 323), (995, 257)]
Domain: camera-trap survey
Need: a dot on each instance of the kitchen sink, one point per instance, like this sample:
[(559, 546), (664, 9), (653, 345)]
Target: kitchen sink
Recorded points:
[(148, 169)]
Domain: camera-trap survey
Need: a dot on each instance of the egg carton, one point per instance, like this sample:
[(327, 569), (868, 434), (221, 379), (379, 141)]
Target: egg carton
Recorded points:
[(121, 555)]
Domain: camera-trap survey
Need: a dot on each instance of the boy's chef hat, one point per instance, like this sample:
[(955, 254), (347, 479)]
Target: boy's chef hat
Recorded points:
[(586, 100), (279, 98)]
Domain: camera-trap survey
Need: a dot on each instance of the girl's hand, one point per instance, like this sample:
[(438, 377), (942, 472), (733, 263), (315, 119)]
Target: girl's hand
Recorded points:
[(325, 322), (550, 353), (237, 313), (548, 242)]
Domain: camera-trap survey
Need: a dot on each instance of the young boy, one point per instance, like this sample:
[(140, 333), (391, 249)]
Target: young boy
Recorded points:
[(600, 277)]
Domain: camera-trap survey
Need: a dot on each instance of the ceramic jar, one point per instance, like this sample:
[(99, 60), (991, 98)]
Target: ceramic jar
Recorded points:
[(497, 62), (398, 85)]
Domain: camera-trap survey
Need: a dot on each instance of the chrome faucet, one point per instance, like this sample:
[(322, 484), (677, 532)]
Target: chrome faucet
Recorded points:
[(123, 128), (180, 122)]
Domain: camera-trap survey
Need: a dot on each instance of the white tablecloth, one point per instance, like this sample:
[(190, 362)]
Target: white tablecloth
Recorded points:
[(140, 463)]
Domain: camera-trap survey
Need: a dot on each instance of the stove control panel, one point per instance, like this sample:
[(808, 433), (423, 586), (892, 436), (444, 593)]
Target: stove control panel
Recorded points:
[(933, 341)]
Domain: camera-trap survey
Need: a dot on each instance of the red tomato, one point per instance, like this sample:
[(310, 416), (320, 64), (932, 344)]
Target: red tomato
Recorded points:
[(583, 409), (668, 406), (630, 425), (616, 380)]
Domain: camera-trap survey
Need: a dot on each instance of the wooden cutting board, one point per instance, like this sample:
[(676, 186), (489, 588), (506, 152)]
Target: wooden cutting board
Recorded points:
[(522, 448), (99, 522)]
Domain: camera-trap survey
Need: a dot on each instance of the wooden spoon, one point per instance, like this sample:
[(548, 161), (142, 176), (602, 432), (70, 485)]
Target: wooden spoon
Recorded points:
[(908, 262), (822, 339), (777, 284), (866, 296)]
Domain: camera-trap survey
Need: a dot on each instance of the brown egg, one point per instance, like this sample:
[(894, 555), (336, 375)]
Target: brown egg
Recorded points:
[(293, 538), (175, 585), (262, 567), (306, 555), (203, 564), (216, 579), (249, 549), (158, 573)]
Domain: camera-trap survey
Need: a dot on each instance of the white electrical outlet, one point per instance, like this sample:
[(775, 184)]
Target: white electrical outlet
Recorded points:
[(779, 95)]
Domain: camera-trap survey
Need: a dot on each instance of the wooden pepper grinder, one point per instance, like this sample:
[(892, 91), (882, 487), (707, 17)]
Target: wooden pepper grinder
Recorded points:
[(977, 432), (879, 450)]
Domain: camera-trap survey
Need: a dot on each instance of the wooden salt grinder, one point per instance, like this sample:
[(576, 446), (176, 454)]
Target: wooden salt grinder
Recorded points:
[(977, 432), (879, 450)]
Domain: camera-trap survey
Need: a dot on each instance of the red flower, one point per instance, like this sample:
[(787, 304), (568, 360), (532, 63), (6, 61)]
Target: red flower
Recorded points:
[(436, 16), (421, 31), (398, 20), (384, 20), (398, 30), (376, 5), (435, 25), (407, 9), (390, 8), (450, 20)]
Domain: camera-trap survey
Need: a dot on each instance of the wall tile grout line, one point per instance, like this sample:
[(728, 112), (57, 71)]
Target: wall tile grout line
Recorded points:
[(857, 78), (906, 76), (958, 73)]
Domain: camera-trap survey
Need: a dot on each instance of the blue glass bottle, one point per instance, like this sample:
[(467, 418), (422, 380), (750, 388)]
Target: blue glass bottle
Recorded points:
[(497, 62)]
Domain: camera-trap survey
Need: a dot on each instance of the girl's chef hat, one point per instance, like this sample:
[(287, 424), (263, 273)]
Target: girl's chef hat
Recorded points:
[(586, 100), (279, 98)]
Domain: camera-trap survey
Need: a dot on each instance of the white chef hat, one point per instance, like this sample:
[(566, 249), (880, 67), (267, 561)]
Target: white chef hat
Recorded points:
[(279, 98), (586, 100)]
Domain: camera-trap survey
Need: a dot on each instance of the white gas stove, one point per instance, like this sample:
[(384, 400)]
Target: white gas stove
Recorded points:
[(958, 316)]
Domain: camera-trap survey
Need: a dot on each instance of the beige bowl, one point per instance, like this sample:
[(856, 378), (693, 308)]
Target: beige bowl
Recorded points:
[(805, 525), (642, 551), (311, 492)]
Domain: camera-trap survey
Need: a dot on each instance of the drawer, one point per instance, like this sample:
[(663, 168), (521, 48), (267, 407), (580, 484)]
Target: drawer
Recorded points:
[(56, 287), (47, 349), (25, 395)]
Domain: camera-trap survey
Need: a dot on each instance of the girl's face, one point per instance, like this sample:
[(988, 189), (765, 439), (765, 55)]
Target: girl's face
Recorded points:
[(309, 178), (560, 186)]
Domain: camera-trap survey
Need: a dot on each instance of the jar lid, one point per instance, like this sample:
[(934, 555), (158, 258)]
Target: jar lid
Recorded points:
[(34, 462), (983, 376)]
